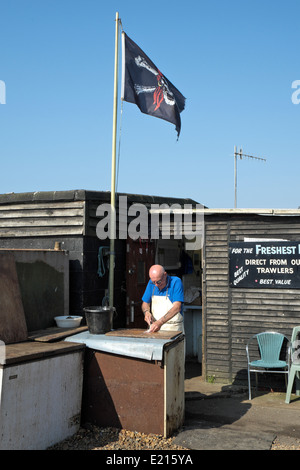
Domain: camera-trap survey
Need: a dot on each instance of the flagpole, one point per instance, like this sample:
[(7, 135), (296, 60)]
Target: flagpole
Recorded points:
[(113, 171)]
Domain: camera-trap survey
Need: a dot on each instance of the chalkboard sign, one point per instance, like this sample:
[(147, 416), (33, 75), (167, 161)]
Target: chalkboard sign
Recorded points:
[(264, 265)]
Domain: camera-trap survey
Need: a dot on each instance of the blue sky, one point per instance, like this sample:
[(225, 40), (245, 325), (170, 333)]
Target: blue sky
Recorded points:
[(234, 61)]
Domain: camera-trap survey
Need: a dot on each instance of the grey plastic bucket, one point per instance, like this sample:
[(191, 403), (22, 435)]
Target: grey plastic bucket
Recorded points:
[(99, 319)]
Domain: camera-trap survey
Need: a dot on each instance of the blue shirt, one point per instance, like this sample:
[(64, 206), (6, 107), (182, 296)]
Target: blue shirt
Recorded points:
[(173, 288)]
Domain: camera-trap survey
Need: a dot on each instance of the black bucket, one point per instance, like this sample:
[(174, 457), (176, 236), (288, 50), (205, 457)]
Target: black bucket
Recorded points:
[(99, 319)]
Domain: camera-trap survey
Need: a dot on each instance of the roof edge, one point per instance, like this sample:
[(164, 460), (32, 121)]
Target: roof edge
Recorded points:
[(83, 195)]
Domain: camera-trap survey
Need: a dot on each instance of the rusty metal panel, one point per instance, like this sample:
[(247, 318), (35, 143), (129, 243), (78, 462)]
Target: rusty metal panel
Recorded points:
[(123, 392)]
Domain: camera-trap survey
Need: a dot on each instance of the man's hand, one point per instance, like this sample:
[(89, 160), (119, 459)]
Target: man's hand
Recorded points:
[(148, 318), (156, 326)]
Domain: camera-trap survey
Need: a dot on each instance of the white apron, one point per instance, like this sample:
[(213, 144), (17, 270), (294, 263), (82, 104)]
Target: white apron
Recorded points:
[(160, 305)]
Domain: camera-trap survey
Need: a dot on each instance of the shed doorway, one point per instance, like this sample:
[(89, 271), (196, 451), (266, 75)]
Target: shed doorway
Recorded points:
[(141, 254)]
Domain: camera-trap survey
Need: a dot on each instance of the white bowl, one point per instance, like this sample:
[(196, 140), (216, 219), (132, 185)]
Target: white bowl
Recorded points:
[(68, 321)]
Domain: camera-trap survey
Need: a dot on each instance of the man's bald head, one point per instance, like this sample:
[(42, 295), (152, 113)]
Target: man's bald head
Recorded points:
[(156, 270), (158, 275)]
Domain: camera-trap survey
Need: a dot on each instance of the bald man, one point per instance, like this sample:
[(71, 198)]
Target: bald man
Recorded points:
[(162, 301)]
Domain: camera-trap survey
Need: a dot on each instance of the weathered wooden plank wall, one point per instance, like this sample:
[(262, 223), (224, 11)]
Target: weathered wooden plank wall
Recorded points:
[(232, 316), (215, 295), (42, 219)]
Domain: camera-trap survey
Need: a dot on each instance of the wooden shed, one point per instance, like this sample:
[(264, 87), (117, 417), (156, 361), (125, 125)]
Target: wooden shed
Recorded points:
[(251, 283), (39, 220)]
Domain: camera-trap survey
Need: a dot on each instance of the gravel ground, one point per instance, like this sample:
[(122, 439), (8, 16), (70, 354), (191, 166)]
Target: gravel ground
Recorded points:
[(95, 438), (286, 443)]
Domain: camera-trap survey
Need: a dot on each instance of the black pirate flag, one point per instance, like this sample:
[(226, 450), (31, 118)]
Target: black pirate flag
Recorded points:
[(144, 85)]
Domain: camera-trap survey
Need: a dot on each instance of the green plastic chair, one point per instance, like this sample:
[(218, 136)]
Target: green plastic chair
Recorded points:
[(295, 365), (270, 345)]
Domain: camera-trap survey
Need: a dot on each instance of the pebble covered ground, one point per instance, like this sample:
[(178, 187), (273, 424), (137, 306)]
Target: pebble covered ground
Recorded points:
[(286, 443), (95, 438)]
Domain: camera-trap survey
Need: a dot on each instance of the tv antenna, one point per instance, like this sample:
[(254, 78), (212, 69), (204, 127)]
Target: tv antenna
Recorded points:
[(241, 155)]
